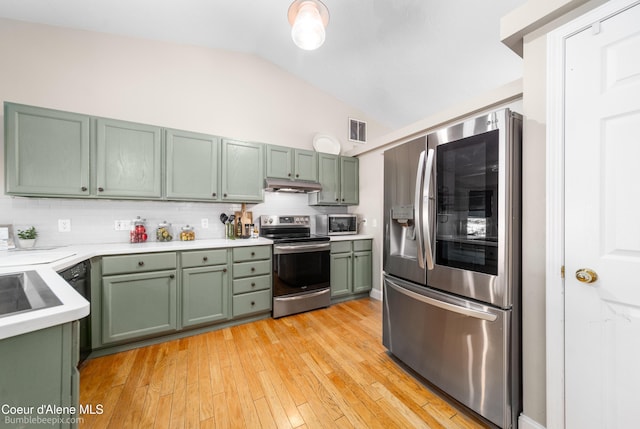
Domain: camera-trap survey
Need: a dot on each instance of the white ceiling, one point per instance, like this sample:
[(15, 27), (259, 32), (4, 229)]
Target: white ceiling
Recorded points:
[(398, 61)]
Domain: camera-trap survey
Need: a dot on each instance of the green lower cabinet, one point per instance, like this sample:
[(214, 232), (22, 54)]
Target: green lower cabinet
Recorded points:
[(251, 280), (341, 278), (351, 270), (136, 306), (205, 295), (38, 372), (142, 297), (362, 272)]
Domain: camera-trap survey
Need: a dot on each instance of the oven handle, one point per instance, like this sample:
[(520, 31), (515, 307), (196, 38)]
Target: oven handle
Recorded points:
[(304, 296), (282, 249)]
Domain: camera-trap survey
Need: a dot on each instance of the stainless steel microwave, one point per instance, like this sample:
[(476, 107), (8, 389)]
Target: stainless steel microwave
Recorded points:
[(336, 224)]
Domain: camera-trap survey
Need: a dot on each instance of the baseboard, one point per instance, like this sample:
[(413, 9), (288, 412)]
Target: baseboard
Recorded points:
[(525, 422), (376, 294)]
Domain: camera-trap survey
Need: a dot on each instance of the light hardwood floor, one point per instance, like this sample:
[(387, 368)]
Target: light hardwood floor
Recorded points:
[(326, 368)]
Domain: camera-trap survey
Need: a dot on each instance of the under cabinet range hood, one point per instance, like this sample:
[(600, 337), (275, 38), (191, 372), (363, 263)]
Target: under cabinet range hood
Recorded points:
[(284, 185)]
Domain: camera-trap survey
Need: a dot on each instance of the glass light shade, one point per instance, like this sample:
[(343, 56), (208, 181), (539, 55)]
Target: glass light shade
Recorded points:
[(308, 27)]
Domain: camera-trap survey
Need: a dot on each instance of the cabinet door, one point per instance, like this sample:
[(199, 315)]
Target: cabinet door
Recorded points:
[(140, 305), (279, 162), (47, 152), (340, 274), (349, 181), (329, 178), (242, 171), (362, 271), (192, 166), (129, 160), (37, 368), (306, 165), (205, 295)]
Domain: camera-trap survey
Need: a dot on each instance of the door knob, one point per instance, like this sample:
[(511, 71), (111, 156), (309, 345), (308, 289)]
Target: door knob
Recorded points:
[(586, 275)]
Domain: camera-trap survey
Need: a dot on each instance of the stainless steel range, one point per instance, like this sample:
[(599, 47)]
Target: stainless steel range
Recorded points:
[(301, 264)]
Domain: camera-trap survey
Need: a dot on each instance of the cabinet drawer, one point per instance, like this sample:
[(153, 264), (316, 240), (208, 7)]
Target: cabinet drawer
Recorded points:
[(361, 245), (341, 246), (138, 263), (252, 302), (251, 284), (203, 258), (241, 254), (246, 269)]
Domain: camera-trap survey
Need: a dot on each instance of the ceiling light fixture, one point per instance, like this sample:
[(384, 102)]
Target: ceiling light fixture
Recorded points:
[(308, 19)]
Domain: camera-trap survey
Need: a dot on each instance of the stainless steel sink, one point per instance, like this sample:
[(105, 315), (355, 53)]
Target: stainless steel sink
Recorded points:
[(24, 291)]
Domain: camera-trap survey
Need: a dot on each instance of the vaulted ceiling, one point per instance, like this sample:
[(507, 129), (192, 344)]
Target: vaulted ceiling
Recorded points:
[(396, 60)]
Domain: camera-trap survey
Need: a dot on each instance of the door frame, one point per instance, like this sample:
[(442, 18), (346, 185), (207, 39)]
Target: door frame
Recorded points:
[(555, 198)]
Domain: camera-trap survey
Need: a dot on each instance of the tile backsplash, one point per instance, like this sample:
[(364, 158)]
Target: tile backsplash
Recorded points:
[(93, 221)]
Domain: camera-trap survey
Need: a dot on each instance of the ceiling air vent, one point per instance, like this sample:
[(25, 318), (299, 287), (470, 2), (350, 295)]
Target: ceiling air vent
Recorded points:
[(357, 131)]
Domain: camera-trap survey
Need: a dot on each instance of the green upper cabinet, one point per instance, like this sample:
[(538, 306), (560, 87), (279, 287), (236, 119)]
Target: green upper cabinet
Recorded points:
[(192, 166), (349, 181), (242, 171), (329, 178), (279, 162), (47, 152), (339, 177), (305, 165), (288, 163), (128, 159)]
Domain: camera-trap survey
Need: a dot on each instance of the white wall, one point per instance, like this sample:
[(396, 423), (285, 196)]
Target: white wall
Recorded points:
[(196, 89), (531, 23), (171, 85)]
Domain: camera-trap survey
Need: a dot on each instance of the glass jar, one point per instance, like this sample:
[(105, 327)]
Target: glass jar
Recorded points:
[(187, 233), (138, 232), (163, 231)]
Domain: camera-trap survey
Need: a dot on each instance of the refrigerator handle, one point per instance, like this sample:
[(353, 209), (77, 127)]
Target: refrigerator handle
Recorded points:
[(427, 221), (477, 314), (418, 210)]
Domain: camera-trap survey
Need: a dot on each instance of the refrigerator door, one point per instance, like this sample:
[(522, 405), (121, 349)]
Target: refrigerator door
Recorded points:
[(477, 209), (460, 346), (404, 167)]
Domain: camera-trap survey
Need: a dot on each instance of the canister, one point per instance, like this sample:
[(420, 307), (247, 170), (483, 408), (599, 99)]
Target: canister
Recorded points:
[(163, 231), (187, 233)]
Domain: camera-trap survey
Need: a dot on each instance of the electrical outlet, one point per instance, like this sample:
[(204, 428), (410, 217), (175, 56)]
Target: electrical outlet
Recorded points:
[(64, 225), (122, 225), (204, 222)]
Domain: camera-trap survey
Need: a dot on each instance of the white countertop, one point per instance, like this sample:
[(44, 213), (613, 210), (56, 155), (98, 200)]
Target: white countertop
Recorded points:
[(351, 237), (47, 263)]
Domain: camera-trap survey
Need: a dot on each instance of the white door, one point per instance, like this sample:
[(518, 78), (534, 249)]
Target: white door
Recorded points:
[(602, 224)]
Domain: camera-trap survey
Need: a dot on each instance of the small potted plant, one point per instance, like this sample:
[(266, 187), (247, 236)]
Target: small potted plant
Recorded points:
[(27, 237)]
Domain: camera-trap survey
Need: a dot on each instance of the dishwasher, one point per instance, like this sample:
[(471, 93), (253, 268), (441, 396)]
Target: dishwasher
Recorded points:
[(78, 277)]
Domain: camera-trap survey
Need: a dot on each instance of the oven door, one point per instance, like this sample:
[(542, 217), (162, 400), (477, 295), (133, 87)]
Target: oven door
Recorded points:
[(300, 267)]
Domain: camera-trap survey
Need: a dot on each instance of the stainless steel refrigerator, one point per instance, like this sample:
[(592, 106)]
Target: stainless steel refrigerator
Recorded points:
[(452, 257)]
